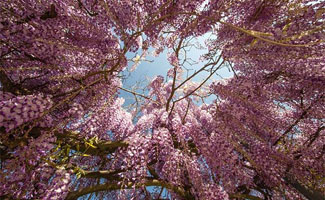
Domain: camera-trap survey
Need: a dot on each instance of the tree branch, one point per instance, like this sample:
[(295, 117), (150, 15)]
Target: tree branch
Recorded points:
[(303, 114), (114, 186), (92, 14), (174, 78), (138, 94), (314, 136), (107, 174), (96, 148), (307, 192), (244, 196), (9, 86)]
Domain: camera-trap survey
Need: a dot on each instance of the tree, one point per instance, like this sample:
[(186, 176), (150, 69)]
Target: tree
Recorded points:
[(65, 134)]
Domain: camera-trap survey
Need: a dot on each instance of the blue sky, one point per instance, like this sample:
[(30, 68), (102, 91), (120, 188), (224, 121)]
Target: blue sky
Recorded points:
[(146, 71)]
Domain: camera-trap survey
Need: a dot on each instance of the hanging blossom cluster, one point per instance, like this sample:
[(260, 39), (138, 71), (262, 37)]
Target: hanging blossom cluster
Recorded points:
[(28, 172), (59, 189), (64, 132), (108, 116), (16, 111), (165, 150)]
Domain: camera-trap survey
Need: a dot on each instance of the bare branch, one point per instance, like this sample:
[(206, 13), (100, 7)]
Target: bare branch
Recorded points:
[(174, 78), (138, 94)]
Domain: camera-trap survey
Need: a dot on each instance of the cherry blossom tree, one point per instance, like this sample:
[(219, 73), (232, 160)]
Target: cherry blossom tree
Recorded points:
[(65, 133)]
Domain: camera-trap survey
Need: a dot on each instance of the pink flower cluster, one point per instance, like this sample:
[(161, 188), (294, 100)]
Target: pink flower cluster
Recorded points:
[(19, 110)]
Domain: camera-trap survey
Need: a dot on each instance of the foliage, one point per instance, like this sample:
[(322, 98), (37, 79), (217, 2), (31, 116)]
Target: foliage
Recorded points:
[(65, 134)]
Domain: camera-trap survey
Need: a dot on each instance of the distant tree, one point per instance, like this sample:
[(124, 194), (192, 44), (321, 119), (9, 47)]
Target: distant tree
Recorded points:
[(64, 133)]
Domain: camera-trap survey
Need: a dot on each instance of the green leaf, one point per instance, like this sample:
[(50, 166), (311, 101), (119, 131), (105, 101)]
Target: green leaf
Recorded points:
[(90, 144)]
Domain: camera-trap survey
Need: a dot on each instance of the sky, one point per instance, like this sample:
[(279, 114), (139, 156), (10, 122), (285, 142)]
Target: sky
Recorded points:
[(159, 65)]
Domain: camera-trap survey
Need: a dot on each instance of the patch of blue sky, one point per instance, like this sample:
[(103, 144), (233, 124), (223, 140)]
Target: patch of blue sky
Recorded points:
[(164, 194), (153, 66)]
